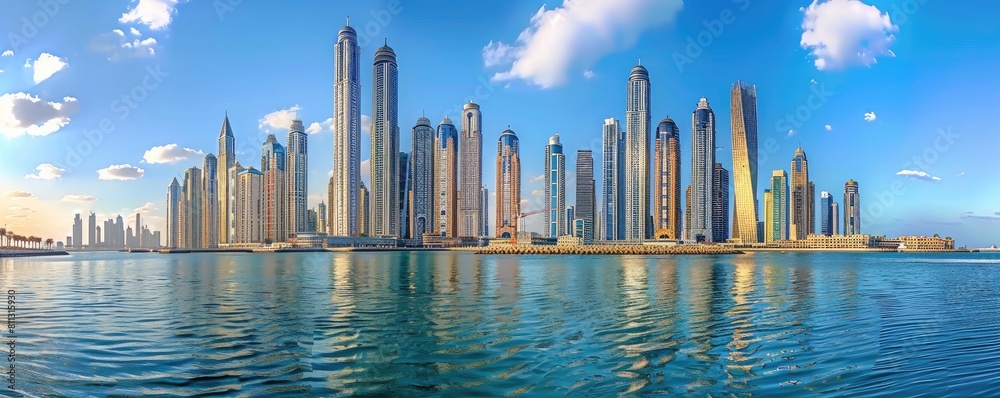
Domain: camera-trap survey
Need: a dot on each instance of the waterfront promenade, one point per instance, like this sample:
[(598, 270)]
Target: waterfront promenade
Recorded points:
[(608, 250)]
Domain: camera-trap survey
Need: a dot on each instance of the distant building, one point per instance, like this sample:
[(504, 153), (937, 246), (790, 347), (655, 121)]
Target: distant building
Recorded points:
[(570, 219), (174, 228), (720, 204), (364, 204), (826, 213), (776, 210), (321, 218), (852, 208), (555, 188), (422, 178), (702, 173), (800, 207), (508, 185), (586, 198), (471, 183), (484, 222), (192, 210), (834, 219), (77, 240)]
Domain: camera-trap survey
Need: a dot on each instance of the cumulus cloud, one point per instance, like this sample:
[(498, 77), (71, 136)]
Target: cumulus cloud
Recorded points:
[(870, 116), (317, 127), (960, 174), (120, 172), (791, 133), (281, 119), (145, 209), (170, 153), (844, 33), (920, 175), (366, 124), (21, 114), (134, 32), (78, 198), (15, 195), (157, 14), (574, 37), (47, 65), (46, 171), (538, 178), (829, 128), (120, 46), (8, 53), (589, 74)]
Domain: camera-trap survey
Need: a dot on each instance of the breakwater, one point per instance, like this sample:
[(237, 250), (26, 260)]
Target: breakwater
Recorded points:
[(608, 250)]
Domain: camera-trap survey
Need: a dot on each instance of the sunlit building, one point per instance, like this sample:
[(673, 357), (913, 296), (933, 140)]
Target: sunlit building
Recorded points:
[(471, 174), (743, 100), (637, 157), (667, 181), (344, 218), (508, 185), (555, 188)]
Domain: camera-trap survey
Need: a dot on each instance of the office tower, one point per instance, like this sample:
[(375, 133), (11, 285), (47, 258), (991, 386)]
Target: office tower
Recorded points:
[(637, 157), (826, 213), (77, 233), (586, 199), (446, 180), (687, 212), (193, 219), (508, 185), (720, 204), (613, 176), (226, 160), (210, 201), (667, 181), (744, 120), (776, 213), (484, 205), (768, 219), (298, 177), (250, 206), (801, 210), (320, 218), (422, 180), (331, 187), (384, 190), (344, 219), (404, 195), (834, 219), (272, 164), (311, 221), (852, 208), (98, 243), (811, 203), (471, 153), (69, 241), (570, 219), (365, 206), (138, 232), (234, 192), (702, 172), (92, 234), (555, 188)]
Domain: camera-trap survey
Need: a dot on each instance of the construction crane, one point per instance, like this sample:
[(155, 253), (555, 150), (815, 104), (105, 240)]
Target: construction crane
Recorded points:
[(520, 221)]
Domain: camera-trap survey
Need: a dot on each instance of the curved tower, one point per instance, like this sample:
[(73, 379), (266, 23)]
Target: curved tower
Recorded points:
[(743, 99), (636, 157), (346, 134), (508, 184), (667, 181), (471, 151), (384, 188)]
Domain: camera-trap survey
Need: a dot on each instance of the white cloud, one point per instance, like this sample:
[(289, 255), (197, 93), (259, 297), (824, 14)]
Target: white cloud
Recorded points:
[(120, 172), (960, 174), (1, 70), (170, 153), (575, 36), (920, 175), (813, 81), (47, 65), (829, 128), (791, 133), (119, 45), (134, 32), (21, 114), (366, 124), (280, 120), (870, 116), (844, 33), (145, 209), (118, 32), (538, 192), (156, 14), (27, 63), (8, 53), (15, 195), (366, 172), (78, 198), (46, 171), (589, 74), (317, 127), (142, 47), (538, 178)]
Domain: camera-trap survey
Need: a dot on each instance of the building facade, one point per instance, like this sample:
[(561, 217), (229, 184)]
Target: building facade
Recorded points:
[(210, 201), (613, 181), (800, 201), (586, 196), (852, 208), (298, 178), (776, 213), (174, 200), (508, 185), (743, 100), (422, 180), (365, 206), (637, 157), (826, 213), (471, 174), (446, 180), (834, 218), (344, 219), (720, 204), (667, 181), (250, 206), (702, 173), (192, 210), (77, 238), (384, 190), (272, 164), (404, 195), (555, 188), (226, 160)]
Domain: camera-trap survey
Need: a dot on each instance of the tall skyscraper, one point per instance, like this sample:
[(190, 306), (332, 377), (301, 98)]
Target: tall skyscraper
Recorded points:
[(471, 153), (92, 233), (852, 208), (570, 219), (331, 193), (613, 175), (233, 194), (743, 98), (365, 205), (720, 204), (811, 203), (384, 209), (826, 213), (298, 177), (272, 164), (834, 219), (702, 172), (77, 232), (250, 206), (227, 157), (801, 210), (637, 157), (446, 180), (776, 212), (210, 202), (404, 195), (422, 166), (193, 220), (555, 188), (667, 181), (508, 185), (321, 218), (586, 200), (484, 205), (768, 219), (687, 212), (344, 220)]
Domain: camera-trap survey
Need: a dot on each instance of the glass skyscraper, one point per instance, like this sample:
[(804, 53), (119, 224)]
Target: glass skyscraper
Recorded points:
[(743, 100), (298, 178), (637, 157), (720, 204), (344, 206), (555, 188), (826, 213), (776, 212), (586, 201), (801, 199), (508, 185), (702, 172), (667, 181), (852, 208), (384, 190), (613, 151), (422, 180)]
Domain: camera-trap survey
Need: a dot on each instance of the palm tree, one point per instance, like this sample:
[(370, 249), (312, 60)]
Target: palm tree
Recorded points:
[(3, 235), (10, 236), (49, 242)]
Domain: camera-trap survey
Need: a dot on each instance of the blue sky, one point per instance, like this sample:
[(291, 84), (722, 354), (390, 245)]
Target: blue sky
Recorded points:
[(926, 72)]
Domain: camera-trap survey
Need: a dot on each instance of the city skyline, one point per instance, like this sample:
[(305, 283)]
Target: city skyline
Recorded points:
[(781, 97)]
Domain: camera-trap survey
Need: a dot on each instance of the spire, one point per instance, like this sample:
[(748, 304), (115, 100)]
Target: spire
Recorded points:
[(640, 61), (227, 130), (348, 20)]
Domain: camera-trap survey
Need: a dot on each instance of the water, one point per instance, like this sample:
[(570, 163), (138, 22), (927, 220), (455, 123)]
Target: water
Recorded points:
[(457, 324)]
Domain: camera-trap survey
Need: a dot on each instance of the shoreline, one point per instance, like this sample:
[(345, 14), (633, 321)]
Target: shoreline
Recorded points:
[(32, 253), (514, 250)]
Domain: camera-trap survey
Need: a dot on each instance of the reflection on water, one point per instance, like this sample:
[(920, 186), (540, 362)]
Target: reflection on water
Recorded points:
[(456, 324)]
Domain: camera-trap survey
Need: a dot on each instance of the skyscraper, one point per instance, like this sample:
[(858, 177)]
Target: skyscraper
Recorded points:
[(614, 180), (384, 208), (508, 185), (834, 219), (422, 180), (234, 194), (720, 204), (321, 218), (826, 213), (484, 205), (344, 220), (801, 210), (811, 203), (446, 180), (555, 188), (637, 156), (365, 205), (586, 201), (852, 208), (272, 164), (250, 206), (77, 232), (92, 233), (702, 172), (768, 219), (404, 195), (743, 98), (227, 157), (193, 220), (471, 154), (298, 177), (667, 181), (776, 217), (210, 201), (570, 220)]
